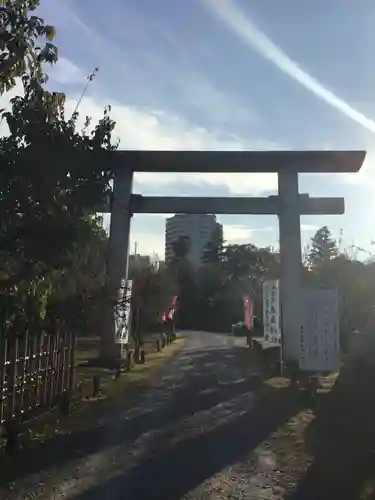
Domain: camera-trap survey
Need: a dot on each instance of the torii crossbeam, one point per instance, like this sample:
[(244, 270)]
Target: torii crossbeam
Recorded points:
[(288, 206)]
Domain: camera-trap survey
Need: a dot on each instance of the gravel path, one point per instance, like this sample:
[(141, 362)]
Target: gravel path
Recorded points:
[(196, 433)]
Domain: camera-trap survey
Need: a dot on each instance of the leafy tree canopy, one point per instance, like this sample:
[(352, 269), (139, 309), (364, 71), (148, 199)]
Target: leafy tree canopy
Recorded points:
[(323, 248), (53, 177), (25, 45)]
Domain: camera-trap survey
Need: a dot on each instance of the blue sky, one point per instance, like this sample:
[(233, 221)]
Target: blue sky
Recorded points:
[(227, 74)]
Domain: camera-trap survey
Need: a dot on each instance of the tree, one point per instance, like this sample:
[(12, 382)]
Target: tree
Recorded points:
[(46, 209), (323, 248), (248, 262), (46, 212), (53, 178), (181, 247), (354, 280), (77, 289), (184, 275), (213, 251), (224, 278), (180, 267), (152, 291), (22, 53)]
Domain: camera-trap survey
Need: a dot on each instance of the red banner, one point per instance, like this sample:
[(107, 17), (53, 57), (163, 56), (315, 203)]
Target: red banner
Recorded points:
[(248, 311), (171, 310)]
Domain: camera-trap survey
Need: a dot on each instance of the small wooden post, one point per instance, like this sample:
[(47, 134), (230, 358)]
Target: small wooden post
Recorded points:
[(95, 386), (142, 357), (129, 360), (12, 433), (65, 403), (117, 373)]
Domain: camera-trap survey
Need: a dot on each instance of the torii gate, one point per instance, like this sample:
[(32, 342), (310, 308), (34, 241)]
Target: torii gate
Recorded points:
[(288, 205)]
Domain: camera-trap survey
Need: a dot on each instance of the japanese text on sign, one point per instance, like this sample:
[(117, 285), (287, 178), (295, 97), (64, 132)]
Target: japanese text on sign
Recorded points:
[(123, 313), (271, 311), (319, 333)]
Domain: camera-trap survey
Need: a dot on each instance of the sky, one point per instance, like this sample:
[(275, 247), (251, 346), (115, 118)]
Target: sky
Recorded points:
[(229, 74)]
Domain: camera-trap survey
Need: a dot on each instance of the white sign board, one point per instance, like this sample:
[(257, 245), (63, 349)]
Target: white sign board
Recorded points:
[(271, 312), (123, 314), (319, 335)]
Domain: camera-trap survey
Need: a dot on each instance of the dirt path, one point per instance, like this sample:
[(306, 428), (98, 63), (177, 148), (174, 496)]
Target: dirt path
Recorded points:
[(186, 427), (206, 428)]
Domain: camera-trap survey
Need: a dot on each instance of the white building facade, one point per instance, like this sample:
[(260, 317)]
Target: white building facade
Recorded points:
[(199, 228)]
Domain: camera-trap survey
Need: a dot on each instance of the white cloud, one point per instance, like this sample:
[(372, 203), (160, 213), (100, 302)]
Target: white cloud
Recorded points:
[(196, 90), (155, 129), (148, 129), (149, 241), (366, 176), (251, 184), (66, 72), (236, 233), (177, 70), (200, 93), (257, 40), (309, 227), (240, 233)]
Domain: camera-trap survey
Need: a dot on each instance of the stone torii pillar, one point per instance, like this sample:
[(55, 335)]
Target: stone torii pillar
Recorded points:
[(117, 260), (291, 262), (288, 205)]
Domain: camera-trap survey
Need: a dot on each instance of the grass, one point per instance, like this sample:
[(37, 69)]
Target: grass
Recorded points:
[(87, 349)]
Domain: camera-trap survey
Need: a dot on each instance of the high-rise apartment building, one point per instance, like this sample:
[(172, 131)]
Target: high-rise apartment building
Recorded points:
[(199, 228)]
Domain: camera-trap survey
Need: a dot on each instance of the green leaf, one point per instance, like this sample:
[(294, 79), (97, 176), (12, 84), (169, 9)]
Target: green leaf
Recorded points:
[(50, 32)]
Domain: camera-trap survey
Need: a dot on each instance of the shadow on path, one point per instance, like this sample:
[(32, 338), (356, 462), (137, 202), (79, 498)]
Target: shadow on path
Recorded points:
[(196, 388), (175, 470), (342, 440)]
